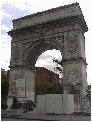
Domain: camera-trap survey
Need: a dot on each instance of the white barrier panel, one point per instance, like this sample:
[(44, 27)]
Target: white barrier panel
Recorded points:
[(68, 104), (41, 103), (55, 104)]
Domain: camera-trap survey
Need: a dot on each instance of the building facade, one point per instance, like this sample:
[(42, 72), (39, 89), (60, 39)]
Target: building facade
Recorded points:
[(44, 75)]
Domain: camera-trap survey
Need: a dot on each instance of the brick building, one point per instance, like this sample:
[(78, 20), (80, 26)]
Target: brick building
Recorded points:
[(44, 75)]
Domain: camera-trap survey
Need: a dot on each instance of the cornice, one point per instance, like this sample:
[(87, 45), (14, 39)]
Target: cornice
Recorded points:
[(75, 59), (50, 15), (47, 11), (61, 22)]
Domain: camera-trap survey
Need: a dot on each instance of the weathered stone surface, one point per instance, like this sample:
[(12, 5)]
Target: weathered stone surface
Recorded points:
[(16, 54), (46, 16), (61, 28)]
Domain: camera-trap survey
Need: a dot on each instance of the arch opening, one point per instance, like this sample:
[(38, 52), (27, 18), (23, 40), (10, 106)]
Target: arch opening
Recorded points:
[(49, 73), (46, 60), (36, 57), (39, 48)]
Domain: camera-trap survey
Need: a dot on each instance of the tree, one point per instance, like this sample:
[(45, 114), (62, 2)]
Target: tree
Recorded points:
[(58, 88), (37, 87), (4, 84), (48, 88)]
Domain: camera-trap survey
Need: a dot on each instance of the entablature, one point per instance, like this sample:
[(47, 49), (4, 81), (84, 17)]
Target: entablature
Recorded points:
[(54, 14), (47, 29)]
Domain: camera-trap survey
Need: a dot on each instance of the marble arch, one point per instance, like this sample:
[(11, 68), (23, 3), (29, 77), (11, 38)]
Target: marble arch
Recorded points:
[(60, 28)]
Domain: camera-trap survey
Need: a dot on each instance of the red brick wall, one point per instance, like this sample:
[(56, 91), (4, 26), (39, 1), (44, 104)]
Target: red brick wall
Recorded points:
[(43, 75)]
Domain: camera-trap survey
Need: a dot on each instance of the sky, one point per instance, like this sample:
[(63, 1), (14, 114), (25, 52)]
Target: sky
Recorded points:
[(11, 10)]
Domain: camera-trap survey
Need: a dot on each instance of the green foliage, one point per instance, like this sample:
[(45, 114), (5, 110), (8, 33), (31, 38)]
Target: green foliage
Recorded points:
[(15, 103), (4, 106), (37, 87), (44, 88), (4, 77), (58, 88), (48, 88), (4, 84), (4, 88)]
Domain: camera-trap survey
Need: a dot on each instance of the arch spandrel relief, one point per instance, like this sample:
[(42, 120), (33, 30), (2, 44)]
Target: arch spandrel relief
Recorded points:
[(37, 47), (33, 53), (16, 54), (72, 45)]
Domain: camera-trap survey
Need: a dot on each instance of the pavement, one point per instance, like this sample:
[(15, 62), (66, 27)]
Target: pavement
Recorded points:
[(45, 117)]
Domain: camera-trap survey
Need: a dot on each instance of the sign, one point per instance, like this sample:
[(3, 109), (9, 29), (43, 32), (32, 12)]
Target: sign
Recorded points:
[(20, 83)]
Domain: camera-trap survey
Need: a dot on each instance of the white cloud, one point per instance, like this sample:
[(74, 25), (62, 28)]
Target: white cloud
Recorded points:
[(7, 61), (4, 27), (42, 63), (5, 39), (54, 53), (46, 58), (11, 26), (44, 5), (5, 14), (5, 51), (5, 56), (49, 60), (20, 5)]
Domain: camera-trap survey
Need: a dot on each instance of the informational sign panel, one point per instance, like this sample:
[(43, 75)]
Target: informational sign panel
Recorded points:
[(20, 83), (21, 88)]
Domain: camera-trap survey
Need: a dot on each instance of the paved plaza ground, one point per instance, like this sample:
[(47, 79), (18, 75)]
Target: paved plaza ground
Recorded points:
[(42, 117)]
